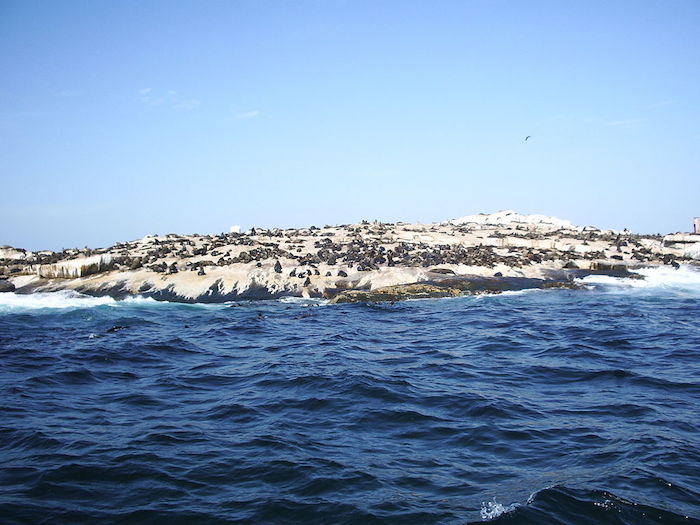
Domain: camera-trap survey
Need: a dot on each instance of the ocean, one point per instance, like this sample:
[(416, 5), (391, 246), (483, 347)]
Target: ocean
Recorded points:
[(542, 406)]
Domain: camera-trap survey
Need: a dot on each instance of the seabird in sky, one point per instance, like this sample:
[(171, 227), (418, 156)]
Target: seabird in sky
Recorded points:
[(528, 137)]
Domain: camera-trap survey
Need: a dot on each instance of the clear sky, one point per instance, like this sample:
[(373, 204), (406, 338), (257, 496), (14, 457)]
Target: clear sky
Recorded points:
[(120, 119)]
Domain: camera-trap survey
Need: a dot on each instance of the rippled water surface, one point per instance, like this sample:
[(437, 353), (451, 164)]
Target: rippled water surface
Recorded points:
[(534, 407)]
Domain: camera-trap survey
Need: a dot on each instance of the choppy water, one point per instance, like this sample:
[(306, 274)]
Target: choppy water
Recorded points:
[(534, 407)]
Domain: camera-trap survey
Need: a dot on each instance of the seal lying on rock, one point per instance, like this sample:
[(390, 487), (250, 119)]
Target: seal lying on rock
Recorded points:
[(482, 255)]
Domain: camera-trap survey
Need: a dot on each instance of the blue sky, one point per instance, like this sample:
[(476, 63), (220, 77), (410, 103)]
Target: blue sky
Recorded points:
[(119, 119)]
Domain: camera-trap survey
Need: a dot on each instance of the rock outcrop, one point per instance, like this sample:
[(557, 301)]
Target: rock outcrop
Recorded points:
[(396, 293), (687, 243), (73, 268), (475, 254)]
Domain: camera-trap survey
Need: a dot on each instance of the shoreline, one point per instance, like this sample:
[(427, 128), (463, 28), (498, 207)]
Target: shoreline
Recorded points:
[(438, 288), (348, 263)]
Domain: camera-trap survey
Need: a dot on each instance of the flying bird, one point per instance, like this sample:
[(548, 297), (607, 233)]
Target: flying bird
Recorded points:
[(528, 137)]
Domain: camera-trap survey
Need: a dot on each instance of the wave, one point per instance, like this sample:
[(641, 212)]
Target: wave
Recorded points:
[(492, 509), (685, 280), (303, 301), (67, 299), (509, 293), (11, 301), (564, 505)]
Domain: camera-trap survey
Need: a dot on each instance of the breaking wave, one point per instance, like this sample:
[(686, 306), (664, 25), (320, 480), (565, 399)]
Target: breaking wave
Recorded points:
[(684, 280), (69, 299), (565, 505), (303, 301), (492, 509), (11, 301)]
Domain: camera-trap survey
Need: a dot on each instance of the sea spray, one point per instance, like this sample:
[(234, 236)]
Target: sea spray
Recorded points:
[(664, 279), (11, 301)]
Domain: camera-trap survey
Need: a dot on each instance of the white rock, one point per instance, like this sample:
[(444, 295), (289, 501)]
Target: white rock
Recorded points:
[(8, 252), (692, 251), (505, 217), (74, 268)]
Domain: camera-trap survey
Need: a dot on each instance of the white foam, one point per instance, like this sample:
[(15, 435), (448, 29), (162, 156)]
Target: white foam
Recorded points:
[(10, 301), (685, 279), (63, 299), (507, 293), (303, 301), (138, 300), (492, 509)]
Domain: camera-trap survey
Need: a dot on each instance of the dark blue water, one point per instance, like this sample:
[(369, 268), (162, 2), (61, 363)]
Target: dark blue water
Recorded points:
[(539, 407)]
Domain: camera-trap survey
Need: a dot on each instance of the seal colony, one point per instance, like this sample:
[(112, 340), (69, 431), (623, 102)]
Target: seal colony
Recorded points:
[(369, 261)]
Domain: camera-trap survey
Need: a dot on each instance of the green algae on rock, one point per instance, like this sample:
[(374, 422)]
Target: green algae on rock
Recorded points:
[(396, 293)]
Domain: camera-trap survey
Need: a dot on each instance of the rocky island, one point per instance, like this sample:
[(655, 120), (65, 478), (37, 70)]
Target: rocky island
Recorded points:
[(369, 261)]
